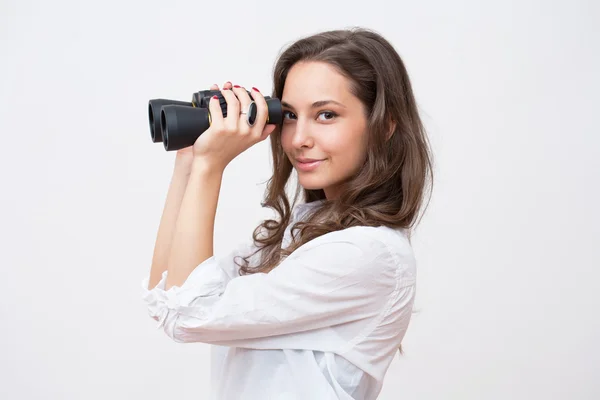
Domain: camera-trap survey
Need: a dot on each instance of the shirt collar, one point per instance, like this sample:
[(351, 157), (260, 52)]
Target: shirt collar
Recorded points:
[(304, 207)]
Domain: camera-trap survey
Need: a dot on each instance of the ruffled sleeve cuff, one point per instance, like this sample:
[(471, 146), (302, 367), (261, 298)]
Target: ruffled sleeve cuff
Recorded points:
[(206, 280)]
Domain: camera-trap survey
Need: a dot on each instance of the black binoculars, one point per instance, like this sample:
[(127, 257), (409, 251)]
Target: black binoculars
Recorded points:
[(177, 124)]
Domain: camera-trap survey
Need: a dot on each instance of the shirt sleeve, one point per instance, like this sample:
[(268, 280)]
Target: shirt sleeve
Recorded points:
[(329, 281)]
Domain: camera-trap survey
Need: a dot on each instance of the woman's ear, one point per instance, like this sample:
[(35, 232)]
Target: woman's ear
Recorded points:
[(392, 125)]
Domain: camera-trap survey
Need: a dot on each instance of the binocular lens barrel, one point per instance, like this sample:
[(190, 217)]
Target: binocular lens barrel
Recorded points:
[(181, 125), (178, 124), (154, 109)]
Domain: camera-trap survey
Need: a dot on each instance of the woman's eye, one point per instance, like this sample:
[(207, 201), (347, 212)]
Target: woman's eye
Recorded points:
[(286, 113), (329, 115)]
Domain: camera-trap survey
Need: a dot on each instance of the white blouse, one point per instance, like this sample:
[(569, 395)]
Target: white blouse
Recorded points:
[(324, 324)]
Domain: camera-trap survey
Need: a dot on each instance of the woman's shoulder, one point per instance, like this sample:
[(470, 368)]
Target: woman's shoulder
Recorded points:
[(381, 246), (374, 238)]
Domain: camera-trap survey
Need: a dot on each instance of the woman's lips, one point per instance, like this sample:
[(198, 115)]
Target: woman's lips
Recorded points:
[(309, 166)]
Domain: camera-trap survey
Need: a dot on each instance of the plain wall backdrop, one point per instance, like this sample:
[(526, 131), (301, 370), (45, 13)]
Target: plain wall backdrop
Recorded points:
[(508, 254)]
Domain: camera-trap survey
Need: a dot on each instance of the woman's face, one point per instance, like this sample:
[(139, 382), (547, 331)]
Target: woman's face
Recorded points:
[(322, 120)]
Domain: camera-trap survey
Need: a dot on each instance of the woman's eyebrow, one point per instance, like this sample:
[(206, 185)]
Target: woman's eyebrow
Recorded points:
[(316, 104)]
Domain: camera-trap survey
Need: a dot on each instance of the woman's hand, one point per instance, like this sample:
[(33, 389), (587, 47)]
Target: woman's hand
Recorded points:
[(185, 156), (228, 137)]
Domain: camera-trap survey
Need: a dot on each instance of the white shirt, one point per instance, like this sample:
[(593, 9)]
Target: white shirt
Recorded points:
[(324, 324)]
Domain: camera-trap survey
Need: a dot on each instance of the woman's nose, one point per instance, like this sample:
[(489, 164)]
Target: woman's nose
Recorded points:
[(301, 137)]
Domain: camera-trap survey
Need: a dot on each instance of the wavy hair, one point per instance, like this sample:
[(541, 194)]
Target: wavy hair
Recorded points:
[(391, 186)]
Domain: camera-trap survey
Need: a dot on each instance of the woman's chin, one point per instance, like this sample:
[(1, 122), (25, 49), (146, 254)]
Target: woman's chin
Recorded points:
[(311, 183)]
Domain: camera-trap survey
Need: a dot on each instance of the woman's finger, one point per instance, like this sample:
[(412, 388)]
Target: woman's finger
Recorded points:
[(267, 131), (216, 115), (261, 111), (243, 97), (233, 110)]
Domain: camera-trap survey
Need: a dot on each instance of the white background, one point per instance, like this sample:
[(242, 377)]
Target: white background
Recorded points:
[(508, 250)]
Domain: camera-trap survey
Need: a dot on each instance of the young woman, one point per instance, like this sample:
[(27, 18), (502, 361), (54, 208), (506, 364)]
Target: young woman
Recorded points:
[(316, 305)]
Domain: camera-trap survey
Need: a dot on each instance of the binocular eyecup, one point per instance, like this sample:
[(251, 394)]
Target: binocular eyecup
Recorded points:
[(178, 124)]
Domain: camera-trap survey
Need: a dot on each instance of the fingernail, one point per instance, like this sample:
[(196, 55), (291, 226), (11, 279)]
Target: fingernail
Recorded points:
[(236, 86), (256, 89), (215, 97)]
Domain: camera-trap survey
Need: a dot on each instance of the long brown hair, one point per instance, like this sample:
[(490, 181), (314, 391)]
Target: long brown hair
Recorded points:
[(391, 186)]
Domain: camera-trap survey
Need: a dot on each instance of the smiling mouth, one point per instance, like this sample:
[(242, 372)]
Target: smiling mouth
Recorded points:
[(308, 166)]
